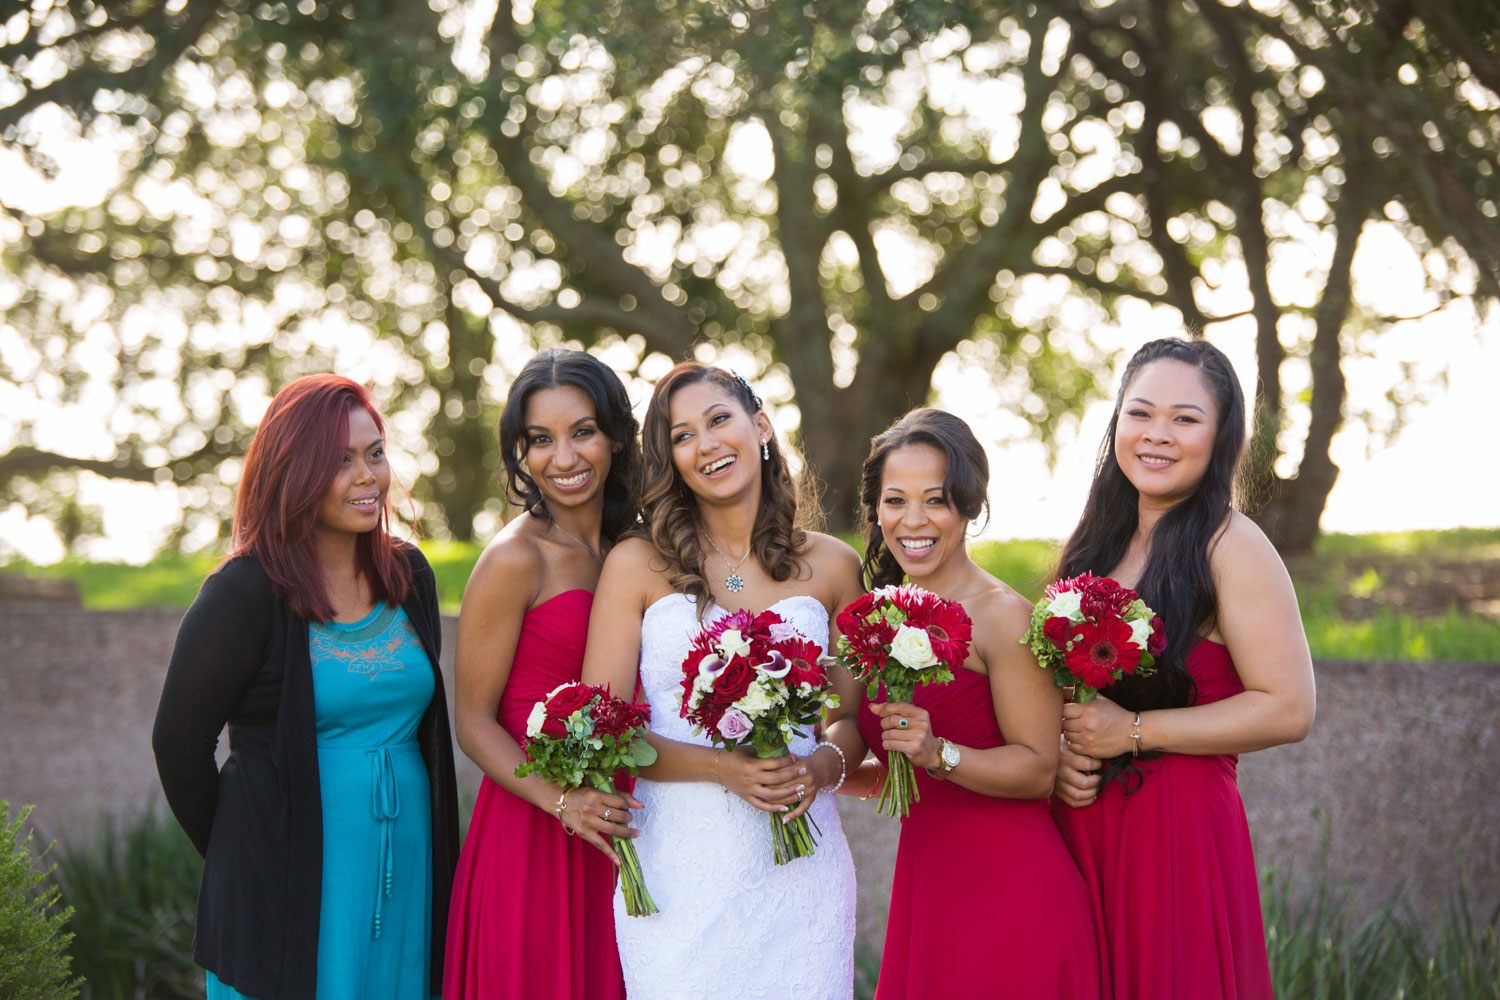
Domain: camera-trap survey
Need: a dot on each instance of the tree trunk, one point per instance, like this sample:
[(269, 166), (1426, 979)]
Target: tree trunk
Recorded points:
[(466, 443)]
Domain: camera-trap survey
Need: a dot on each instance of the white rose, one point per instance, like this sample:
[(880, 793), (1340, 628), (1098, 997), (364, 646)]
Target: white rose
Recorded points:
[(1065, 605), (756, 700), (733, 643), (913, 648), (536, 718), (1140, 631)]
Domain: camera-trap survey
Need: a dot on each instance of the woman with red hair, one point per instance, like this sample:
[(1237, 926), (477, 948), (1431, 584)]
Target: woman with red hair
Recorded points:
[(330, 833)]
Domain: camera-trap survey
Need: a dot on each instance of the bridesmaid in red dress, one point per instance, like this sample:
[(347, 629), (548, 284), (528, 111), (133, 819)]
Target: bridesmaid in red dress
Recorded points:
[(532, 916), (985, 900), (1146, 793)]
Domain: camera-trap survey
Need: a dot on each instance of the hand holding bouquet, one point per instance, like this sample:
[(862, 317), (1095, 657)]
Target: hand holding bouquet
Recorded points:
[(583, 735), (752, 680), (902, 637), (1090, 631)]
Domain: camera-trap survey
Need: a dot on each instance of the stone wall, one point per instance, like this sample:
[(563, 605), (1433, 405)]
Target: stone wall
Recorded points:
[(1392, 784)]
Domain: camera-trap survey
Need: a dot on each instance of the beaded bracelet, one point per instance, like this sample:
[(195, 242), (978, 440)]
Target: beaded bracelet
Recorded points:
[(843, 766)]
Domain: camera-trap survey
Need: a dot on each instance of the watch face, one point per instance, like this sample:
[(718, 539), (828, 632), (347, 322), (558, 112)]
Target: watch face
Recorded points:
[(950, 756)]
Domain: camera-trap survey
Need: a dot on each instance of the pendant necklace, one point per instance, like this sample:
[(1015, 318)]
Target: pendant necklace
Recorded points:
[(580, 541), (733, 582)]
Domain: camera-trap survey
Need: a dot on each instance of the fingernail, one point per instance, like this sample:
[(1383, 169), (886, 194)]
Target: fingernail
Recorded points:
[(786, 808), (801, 771)]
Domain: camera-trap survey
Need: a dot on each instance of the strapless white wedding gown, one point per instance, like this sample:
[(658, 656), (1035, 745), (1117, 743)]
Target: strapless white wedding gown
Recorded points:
[(732, 922)]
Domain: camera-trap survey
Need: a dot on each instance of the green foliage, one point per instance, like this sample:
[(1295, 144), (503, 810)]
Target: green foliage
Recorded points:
[(34, 934), (1319, 951), (133, 891), (1346, 617)]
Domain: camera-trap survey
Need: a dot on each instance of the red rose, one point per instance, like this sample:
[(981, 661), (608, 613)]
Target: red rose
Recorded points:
[(734, 681), (852, 618), (1157, 641), (567, 700), (1058, 631), (553, 727)]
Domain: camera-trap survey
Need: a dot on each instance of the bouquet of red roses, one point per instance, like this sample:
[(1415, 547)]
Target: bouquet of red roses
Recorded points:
[(902, 637), (1090, 631), (580, 734), (752, 680)]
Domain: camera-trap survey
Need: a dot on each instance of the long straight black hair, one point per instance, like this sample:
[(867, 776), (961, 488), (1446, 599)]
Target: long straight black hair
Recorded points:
[(1176, 582), (553, 368)]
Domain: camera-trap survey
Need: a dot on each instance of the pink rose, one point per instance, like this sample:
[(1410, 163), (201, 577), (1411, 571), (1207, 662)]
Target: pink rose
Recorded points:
[(734, 724)]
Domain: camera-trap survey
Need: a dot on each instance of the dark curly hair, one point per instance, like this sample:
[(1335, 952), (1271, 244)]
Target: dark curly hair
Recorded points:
[(788, 506), (965, 485), (1176, 582), (551, 369)]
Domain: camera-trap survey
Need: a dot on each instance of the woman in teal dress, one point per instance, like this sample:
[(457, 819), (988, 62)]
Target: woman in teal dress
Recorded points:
[(330, 833)]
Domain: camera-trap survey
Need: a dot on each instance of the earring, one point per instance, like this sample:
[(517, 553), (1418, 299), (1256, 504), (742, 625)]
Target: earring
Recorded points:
[(765, 450)]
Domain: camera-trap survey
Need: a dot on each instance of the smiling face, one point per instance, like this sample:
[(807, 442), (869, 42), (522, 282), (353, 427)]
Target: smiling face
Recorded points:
[(1165, 435), (354, 501), (920, 525), (567, 455), (715, 443)]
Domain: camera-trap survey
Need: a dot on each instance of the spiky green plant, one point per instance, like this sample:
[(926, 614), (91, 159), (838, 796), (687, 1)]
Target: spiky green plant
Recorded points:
[(133, 891), (33, 925)]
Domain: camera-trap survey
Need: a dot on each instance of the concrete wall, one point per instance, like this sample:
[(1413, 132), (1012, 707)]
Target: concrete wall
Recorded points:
[(1393, 783)]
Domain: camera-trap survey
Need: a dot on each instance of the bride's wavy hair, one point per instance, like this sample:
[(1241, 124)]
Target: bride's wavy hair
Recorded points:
[(788, 506), (965, 485), (1176, 582)]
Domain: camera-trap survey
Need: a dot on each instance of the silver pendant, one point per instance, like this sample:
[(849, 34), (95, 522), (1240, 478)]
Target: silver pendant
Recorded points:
[(734, 583)]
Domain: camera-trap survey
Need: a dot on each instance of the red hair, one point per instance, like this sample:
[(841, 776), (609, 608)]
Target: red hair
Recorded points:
[(292, 462)]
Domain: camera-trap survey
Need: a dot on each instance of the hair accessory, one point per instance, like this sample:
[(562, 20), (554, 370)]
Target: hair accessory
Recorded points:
[(765, 450), (843, 765), (741, 380)]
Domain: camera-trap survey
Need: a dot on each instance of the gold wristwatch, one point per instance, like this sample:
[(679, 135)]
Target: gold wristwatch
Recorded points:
[(948, 758)]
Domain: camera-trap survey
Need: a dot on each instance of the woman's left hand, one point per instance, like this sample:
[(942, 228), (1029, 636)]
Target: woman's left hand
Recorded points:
[(1099, 728), (905, 728)]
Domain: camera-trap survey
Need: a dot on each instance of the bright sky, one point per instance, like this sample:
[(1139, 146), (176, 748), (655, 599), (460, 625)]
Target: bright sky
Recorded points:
[(1428, 478)]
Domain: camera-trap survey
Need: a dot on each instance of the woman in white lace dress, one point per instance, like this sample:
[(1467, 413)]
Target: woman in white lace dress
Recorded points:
[(721, 513)]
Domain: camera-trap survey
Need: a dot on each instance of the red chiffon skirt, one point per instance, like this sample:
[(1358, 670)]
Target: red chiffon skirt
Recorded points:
[(1170, 872), (532, 916)]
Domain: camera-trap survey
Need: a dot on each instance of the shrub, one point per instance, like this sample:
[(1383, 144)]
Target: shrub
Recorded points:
[(33, 927), (133, 891)]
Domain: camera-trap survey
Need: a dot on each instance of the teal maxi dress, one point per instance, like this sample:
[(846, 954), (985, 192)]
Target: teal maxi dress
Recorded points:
[(372, 682)]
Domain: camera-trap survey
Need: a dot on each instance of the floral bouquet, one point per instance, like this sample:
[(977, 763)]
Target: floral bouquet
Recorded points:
[(753, 680), (580, 734), (902, 637), (1090, 631)]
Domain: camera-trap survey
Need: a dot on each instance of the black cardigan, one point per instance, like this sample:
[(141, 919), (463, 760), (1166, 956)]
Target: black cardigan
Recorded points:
[(242, 658)]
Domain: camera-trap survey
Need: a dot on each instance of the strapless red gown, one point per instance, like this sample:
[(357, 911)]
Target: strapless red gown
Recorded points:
[(532, 916), (1170, 871), (985, 901)]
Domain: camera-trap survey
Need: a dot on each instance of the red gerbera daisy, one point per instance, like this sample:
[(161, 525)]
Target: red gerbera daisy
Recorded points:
[(1102, 652)]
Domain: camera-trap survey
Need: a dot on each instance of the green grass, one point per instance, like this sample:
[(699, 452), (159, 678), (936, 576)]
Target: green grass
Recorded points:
[(1407, 596)]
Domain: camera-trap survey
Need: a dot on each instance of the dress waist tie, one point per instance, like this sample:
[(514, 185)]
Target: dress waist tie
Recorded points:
[(387, 806)]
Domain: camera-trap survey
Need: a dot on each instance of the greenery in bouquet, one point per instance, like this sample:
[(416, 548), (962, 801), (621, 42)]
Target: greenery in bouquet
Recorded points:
[(1090, 632), (583, 735)]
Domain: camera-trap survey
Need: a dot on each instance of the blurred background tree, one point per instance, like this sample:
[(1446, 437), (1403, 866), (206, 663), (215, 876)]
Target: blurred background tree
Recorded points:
[(849, 191)]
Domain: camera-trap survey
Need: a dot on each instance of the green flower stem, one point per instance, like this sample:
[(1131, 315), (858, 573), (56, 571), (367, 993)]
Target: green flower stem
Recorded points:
[(1083, 694), (900, 789), (789, 841), (638, 901)]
